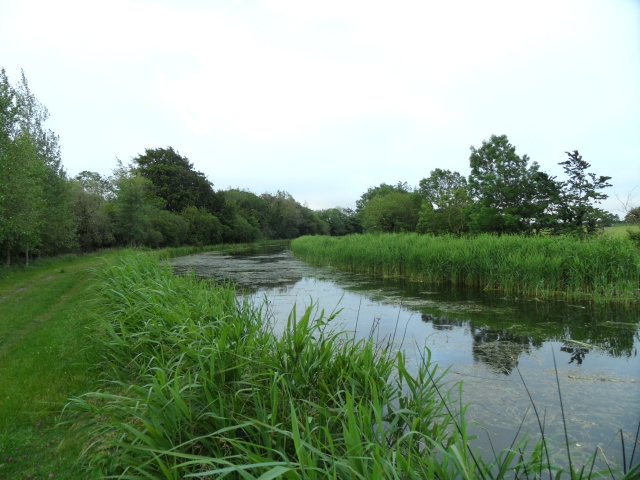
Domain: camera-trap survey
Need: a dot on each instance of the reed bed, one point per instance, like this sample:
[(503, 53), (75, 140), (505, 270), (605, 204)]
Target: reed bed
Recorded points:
[(197, 385), (601, 269)]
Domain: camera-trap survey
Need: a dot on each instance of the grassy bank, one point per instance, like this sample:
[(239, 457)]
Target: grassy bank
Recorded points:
[(599, 269), (189, 382), (46, 324)]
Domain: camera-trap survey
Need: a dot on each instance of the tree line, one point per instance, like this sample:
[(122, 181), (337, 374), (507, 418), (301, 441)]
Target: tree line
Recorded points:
[(156, 200), (504, 194), (159, 199)]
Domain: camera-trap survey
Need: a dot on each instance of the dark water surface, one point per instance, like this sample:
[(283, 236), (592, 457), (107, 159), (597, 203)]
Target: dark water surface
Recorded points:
[(481, 336)]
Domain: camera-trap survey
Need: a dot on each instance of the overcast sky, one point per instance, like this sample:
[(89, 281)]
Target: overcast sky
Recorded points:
[(325, 99)]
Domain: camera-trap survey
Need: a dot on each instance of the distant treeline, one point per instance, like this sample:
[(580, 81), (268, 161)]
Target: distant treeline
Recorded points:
[(160, 200)]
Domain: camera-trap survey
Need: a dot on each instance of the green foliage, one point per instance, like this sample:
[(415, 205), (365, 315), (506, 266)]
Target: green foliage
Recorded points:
[(602, 269), (203, 227), (134, 207), (341, 221), (446, 203), (35, 197), (175, 181), (92, 222), (285, 215), (95, 184), (633, 216), (504, 188), (392, 212), (172, 229), (380, 191), (199, 385), (21, 170), (575, 205)]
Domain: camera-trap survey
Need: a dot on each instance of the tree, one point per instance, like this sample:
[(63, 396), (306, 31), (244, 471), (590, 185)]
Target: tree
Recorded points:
[(134, 206), (21, 175), (95, 184), (504, 188), (576, 212), (55, 222), (175, 181), (380, 191), (204, 228), (445, 203), (168, 229), (285, 215), (633, 216), (92, 223), (393, 212)]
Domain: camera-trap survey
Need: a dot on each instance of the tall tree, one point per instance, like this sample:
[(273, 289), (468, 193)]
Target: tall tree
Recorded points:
[(504, 188), (135, 205), (446, 203), (380, 191), (175, 181), (394, 212), (576, 212), (92, 223), (21, 174)]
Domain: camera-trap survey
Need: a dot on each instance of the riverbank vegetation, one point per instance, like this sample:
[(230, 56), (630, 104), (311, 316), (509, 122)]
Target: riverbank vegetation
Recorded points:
[(158, 199), (189, 380), (45, 359), (199, 385), (598, 268)]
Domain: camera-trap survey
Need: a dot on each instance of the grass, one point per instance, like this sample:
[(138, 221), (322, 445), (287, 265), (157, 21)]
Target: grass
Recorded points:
[(192, 383), (602, 269), (45, 327), (43, 361), (621, 230)]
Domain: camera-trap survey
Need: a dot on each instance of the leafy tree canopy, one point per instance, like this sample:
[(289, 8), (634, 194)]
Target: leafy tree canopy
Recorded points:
[(393, 212), (505, 188), (578, 193), (175, 181), (380, 191)]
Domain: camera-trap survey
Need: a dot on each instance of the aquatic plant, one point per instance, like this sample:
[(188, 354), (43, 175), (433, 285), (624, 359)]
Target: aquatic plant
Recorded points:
[(197, 385), (598, 269)]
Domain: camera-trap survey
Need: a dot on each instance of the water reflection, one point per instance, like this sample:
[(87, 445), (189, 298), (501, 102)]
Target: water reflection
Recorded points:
[(577, 354), (481, 336)]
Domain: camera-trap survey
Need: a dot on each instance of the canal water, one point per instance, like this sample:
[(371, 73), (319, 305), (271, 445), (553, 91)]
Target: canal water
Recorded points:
[(486, 340)]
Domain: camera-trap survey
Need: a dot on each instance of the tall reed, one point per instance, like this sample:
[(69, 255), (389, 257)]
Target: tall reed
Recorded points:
[(197, 385), (599, 269)]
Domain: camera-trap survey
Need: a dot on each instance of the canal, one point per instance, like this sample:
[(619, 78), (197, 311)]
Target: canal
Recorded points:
[(490, 342)]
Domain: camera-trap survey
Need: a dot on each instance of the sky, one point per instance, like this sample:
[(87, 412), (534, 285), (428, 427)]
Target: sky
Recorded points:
[(324, 99)]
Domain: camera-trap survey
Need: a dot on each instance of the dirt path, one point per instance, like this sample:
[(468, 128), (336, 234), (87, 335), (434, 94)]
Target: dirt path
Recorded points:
[(22, 289)]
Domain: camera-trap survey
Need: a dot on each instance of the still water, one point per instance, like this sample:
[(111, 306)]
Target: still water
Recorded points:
[(483, 338)]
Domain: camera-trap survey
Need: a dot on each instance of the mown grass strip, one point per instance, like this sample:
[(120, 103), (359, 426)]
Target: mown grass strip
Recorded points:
[(601, 269), (44, 360)]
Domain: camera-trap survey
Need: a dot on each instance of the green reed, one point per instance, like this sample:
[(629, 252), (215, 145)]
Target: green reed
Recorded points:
[(603, 268), (196, 384)]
